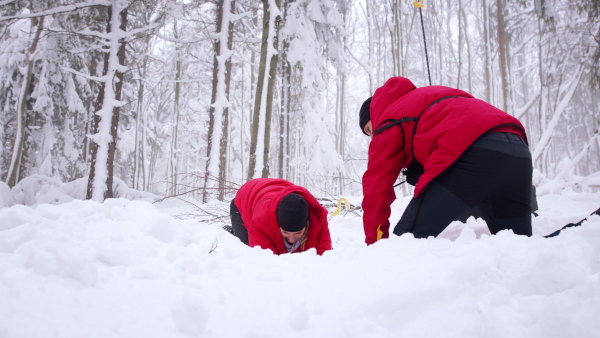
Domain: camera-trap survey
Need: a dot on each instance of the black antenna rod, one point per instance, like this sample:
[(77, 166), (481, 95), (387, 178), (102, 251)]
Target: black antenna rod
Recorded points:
[(420, 6)]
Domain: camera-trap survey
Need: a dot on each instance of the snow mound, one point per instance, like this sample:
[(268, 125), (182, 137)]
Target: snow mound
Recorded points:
[(40, 189), (134, 269)]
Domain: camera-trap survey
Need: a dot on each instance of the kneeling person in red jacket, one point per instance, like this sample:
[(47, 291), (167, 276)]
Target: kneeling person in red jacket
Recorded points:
[(278, 215), (458, 151)]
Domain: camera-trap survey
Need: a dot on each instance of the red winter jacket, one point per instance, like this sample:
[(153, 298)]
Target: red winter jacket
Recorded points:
[(257, 201), (444, 131)]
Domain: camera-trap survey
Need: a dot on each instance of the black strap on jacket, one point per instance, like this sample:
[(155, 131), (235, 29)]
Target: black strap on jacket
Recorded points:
[(385, 125), (391, 122), (415, 169)]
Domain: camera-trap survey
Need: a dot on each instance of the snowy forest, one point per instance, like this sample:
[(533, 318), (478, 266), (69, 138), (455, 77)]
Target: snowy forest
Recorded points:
[(196, 97)]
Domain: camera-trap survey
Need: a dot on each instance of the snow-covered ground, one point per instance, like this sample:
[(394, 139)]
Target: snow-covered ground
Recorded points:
[(135, 269)]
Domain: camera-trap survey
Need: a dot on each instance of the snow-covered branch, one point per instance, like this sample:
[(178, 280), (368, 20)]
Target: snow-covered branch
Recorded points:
[(57, 10), (366, 67), (555, 187), (545, 139), (4, 3), (86, 76), (577, 158), (520, 112)]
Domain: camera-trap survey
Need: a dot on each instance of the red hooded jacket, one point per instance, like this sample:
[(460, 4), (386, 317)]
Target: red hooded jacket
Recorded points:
[(444, 131), (257, 201)]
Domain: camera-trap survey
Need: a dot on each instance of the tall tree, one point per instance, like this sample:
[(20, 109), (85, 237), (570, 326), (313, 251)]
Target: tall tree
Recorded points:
[(263, 101), (173, 158), (37, 25), (284, 116), (218, 130), (503, 52), (487, 64), (108, 105)]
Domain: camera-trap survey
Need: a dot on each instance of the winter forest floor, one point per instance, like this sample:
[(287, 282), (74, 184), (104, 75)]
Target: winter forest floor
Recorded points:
[(135, 269)]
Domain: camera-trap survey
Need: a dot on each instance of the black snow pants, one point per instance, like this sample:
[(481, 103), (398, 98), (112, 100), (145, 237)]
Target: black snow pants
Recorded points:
[(237, 224), (493, 175)]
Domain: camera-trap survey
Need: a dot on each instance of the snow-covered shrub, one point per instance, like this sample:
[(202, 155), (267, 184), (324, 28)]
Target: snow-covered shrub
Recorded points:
[(39, 189)]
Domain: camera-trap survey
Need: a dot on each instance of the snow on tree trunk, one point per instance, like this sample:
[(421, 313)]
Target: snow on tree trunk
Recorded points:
[(218, 114), (106, 118), (21, 109)]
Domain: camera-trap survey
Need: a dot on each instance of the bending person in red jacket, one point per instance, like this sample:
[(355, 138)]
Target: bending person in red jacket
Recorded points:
[(458, 151), (276, 214)]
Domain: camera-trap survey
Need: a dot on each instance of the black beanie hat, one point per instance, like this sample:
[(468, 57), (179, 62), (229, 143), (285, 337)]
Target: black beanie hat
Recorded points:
[(365, 114), (292, 213)]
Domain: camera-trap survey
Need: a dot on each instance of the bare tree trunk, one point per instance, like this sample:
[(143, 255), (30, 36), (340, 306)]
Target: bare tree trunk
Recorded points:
[(173, 156), (210, 135), (503, 53), (469, 57), (285, 97), (253, 71), (371, 45), (138, 159), (284, 119), (460, 43), (89, 114), (21, 109), (263, 102), (486, 47), (341, 98), (269, 100), (144, 155), (397, 42), (341, 89), (225, 133), (154, 151), (542, 107)]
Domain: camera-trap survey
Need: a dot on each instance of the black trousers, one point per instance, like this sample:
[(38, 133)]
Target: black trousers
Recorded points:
[(493, 175), (237, 224)]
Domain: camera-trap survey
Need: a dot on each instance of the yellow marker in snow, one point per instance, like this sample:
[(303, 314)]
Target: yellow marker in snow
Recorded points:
[(419, 3), (339, 206)]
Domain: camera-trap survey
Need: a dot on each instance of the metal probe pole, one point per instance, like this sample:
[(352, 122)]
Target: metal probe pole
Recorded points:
[(425, 44)]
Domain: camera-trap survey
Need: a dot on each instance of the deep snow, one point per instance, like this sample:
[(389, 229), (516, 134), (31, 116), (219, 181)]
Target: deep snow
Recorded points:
[(135, 269)]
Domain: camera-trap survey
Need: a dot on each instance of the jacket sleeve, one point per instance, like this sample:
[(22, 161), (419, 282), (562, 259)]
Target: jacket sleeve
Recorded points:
[(323, 238), (259, 237), (385, 162)]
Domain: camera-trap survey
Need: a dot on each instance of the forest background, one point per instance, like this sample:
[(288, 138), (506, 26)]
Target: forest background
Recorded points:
[(196, 97)]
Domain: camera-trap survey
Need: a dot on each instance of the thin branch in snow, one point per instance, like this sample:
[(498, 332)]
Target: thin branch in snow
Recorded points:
[(183, 41), (213, 247), (230, 186)]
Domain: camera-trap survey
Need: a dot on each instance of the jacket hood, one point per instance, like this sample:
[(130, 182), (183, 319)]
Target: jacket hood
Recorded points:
[(385, 95)]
